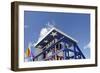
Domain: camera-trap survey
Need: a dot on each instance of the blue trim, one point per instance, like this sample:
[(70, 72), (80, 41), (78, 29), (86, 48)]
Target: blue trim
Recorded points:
[(65, 50), (79, 51)]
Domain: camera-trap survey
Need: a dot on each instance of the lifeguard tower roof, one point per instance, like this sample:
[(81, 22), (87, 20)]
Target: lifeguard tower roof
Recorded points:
[(53, 33)]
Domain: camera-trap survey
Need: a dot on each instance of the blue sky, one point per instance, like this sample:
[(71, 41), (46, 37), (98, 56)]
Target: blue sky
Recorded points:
[(76, 25)]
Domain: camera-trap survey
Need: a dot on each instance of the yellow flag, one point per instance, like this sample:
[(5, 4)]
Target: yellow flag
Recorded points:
[(27, 52)]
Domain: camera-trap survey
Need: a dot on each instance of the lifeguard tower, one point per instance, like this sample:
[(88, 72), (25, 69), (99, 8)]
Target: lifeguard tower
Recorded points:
[(56, 45)]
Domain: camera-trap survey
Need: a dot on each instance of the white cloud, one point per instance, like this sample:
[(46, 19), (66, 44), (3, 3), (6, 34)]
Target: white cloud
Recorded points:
[(29, 45), (45, 30), (87, 46)]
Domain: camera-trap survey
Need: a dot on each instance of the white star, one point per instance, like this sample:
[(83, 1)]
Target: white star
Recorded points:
[(45, 41), (54, 34), (39, 46)]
